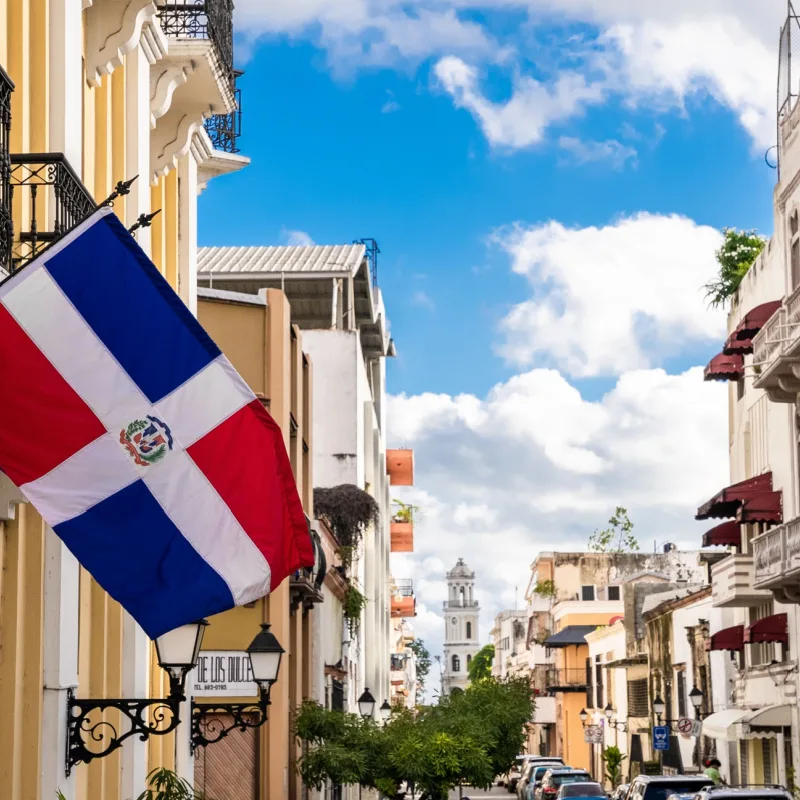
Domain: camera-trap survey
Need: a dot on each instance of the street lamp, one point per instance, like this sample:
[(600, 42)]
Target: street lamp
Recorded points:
[(696, 696), (618, 725), (659, 707), (609, 711), (87, 739), (584, 716), (366, 704), (386, 711), (264, 654)]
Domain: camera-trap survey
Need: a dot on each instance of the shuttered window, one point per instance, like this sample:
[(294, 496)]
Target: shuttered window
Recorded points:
[(638, 705)]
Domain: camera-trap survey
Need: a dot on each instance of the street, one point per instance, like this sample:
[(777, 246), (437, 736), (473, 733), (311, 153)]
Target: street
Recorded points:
[(467, 792)]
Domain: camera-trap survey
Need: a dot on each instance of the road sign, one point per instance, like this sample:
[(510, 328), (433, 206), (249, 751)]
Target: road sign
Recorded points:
[(660, 737), (689, 727), (593, 734)]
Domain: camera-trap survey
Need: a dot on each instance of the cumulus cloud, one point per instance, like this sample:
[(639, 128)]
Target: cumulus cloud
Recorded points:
[(533, 466), (297, 238), (600, 303)]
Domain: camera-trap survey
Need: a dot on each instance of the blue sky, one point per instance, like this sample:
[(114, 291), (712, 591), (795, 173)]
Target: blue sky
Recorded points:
[(547, 180)]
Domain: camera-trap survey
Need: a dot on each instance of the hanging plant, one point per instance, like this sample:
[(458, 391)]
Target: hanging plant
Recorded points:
[(353, 604), (739, 251), (348, 510), (405, 512)]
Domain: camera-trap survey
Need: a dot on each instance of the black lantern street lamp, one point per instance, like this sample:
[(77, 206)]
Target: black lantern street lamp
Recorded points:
[(696, 697), (583, 716), (659, 707), (386, 711), (366, 704), (619, 725), (91, 736), (265, 654)]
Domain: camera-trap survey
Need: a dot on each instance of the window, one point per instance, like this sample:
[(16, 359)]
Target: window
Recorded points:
[(469, 630), (638, 705), (469, 659), (589, 696), (766, 754), (681, 680), (598, 681), (506, 643), (796, 262), (613, 593), (744, 761), (456, 664), (587, 593)]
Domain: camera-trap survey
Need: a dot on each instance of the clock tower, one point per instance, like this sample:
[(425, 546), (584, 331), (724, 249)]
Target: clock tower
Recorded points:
[(461, 613)]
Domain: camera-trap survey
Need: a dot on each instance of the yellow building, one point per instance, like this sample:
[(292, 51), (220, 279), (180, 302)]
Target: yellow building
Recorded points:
[(93, 93), (257, 335)]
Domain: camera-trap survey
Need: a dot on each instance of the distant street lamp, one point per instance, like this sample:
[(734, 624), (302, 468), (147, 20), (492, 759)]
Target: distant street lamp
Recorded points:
[(386, 711), (366, 704), (696, 696), (659, 707), (584, 716)]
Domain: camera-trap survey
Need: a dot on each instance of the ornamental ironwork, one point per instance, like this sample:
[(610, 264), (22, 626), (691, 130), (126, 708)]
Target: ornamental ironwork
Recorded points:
[(52, 198), (224, 130), (94, 733), (6, 226), (202, 19), (212, 722)]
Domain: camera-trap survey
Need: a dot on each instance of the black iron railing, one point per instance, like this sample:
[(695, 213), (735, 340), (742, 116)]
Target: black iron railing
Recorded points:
[(202, 19), (565, 678), (225, 129), (6, 226), (52, 201)]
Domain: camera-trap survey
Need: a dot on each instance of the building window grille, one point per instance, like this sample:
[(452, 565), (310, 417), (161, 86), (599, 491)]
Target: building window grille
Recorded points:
[(766, 755), (587, 593), (638, 701), (589, 695), (744, 761), (598, 674), (456, 664), (613, 593), (681, 683)]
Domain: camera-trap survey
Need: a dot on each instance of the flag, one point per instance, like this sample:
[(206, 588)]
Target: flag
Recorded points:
[(136, 440)]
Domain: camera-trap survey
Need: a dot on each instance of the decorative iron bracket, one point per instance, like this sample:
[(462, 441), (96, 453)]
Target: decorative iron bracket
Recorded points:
[(91, 735), (207, 728)]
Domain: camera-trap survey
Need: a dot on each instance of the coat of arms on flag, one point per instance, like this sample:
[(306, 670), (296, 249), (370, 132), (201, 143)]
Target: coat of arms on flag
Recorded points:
[(139, 443)]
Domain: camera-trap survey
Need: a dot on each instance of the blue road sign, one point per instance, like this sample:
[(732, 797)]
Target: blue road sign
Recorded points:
[(660, 737)]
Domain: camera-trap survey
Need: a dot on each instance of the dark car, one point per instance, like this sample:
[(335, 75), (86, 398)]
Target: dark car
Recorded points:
[(554, 779), (585, 789), (746, 792), (533, 773), (660, 787), (535, 780)]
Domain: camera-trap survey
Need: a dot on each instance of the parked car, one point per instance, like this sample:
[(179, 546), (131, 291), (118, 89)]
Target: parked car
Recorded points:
[(744, 792), (684, 796), (620, 792), (660, 787), (515, 773), (555, 778), (535, 779), (534, 766), (585, 789)]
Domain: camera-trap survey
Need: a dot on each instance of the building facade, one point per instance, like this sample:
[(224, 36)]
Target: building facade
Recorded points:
[(461, 633), (93, 94), (508, 637)]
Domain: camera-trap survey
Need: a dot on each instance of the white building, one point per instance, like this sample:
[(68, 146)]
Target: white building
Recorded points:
[(337, 303), (403, 666), (461, 615), (754, 662), (509, 639)]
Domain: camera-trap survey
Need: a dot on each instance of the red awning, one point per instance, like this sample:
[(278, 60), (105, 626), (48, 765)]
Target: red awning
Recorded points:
[(727, 639), (729, 534), (734, 346), (726, 504), (769, 629), (754, 320), (766, 507), (724, 368)]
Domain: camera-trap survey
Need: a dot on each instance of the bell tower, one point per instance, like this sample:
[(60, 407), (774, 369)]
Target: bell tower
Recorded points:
[(461, 614)]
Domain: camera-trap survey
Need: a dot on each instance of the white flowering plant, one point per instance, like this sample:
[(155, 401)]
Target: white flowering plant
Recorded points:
[(737, 254)]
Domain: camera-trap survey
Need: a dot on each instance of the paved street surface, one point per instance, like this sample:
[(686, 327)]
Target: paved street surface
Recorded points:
[(495, 791)]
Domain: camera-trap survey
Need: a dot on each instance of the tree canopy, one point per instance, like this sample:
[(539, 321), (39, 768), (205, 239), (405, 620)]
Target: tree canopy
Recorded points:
[(423, 662), (480, 668), (468, 738)]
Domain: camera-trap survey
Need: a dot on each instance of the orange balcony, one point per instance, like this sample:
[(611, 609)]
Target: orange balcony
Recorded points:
[(400, 466), (404, 604), (402, 534)]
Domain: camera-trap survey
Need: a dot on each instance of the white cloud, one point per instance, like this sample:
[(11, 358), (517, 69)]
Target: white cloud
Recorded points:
[(298, 238), (606, 300), (423, 300), (533, 466), (390, 106), (610, 152)]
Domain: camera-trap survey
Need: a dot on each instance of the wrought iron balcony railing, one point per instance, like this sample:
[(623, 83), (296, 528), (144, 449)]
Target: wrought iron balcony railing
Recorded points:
[(565, 678), (202, 19), (6, 226), (51, 199), (224, 130)]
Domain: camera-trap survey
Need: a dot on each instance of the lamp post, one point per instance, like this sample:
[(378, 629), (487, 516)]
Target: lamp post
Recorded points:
[(366, 704), (89, 738), (659, 707), (385, 711), (696, 698), (265, 653)]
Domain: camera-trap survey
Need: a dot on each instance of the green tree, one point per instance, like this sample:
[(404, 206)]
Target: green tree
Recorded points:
[(480, 668), (468, 738), (423, 661), (735, 257), (618, 537), (613, 758)]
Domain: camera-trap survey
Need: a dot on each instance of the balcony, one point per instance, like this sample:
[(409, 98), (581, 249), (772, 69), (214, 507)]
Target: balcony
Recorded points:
[(400, 467), (404, 604), (402, 528), (776, 353), (49, 200), (224, 130), (777, 562), (6, 226), (732, 583), (565, 679)]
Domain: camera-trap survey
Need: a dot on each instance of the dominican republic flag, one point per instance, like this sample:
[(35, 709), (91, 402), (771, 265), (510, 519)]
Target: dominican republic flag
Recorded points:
[(135, 438)]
